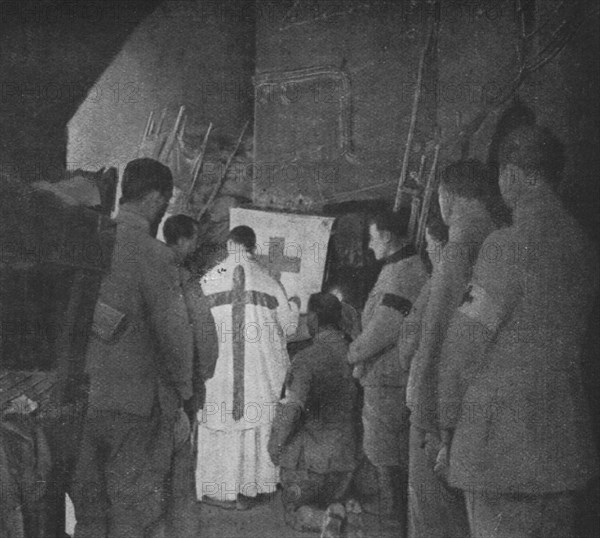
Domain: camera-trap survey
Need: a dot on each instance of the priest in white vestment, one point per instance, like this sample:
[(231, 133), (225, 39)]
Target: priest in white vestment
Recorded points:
[(254, 318)]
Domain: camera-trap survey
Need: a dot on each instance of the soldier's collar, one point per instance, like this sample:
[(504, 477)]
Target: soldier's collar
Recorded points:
[(328, 334), (133, 219), (404, 252), (542, 197), (469, 214)]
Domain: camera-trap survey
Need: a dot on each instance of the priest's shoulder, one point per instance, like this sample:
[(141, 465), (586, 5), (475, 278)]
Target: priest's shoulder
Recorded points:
[(217, 273), (262, 271)]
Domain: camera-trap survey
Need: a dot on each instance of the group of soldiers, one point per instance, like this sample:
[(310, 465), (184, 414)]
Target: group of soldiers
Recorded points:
[(465, 371), (474, 415)]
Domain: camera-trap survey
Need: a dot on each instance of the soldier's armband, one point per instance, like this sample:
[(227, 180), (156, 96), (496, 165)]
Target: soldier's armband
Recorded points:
[(108, 323), (398, 303), (478, 305)]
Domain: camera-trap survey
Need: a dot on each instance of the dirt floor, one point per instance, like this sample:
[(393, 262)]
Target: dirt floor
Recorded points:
[(266, 521)]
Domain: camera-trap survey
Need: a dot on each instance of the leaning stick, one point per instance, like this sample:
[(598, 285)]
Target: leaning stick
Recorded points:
[(219, 184), (145, 133), (168, 147), (413, 121), (421, 169), (149, 123), (151, 127), (431, 186), (414, 215), (416, 203), (181, 132), (179, 146), (161, 121), (198, 162)]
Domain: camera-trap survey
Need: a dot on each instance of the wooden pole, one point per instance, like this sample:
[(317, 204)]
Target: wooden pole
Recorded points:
[(429, 189), (219, 184), (181, 132), (415, 205), (149, 123), (413, 121), (161, 121), (172, 138), (145, 133), (198, 162), (151, 127)]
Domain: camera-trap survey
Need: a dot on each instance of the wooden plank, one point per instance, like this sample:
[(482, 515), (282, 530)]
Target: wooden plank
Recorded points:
[(413, 121), (37, 386), (429, 191), (11, 379)]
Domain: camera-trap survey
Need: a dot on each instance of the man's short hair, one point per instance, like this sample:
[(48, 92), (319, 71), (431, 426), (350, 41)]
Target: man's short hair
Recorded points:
[(394, 222), (142, 176), (327, 307), (468, 178), (534, 149), (243, 235), (179, 227)]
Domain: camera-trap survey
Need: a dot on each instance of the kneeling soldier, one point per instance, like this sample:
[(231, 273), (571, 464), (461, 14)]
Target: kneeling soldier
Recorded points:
[(313, 438)]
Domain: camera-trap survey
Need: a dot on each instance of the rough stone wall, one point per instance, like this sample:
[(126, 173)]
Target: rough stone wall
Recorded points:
[(378, 45), (304, 116), (478, 59)]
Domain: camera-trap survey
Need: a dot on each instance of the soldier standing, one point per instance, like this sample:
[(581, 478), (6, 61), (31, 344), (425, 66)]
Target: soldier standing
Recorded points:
[(519, 435), (463, 195), (374, 354), (139, 362)]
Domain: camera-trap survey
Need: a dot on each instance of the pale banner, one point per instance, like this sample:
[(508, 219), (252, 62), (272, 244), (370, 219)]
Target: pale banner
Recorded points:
[(293, 247)]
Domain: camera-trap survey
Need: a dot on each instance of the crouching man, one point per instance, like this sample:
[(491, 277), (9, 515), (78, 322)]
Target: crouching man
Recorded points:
[(313, 438)]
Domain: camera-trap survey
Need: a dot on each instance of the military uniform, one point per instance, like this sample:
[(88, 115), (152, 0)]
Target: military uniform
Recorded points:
[(314, 432), (140, 371), (183, 511), (374, 353), (206, 339), (434, 510), (523, 438)]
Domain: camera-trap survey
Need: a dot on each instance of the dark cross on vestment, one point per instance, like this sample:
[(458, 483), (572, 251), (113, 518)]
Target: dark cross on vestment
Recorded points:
[(238, 298), (276, 261)]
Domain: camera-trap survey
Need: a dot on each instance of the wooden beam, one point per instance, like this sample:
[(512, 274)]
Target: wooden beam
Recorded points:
[(219, 184), (413, 121), (429, 190), (197, 166)]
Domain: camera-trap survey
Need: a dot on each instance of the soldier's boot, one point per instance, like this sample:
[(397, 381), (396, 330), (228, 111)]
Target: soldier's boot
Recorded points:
[(304, 519), (354, 521), (333, 521)]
